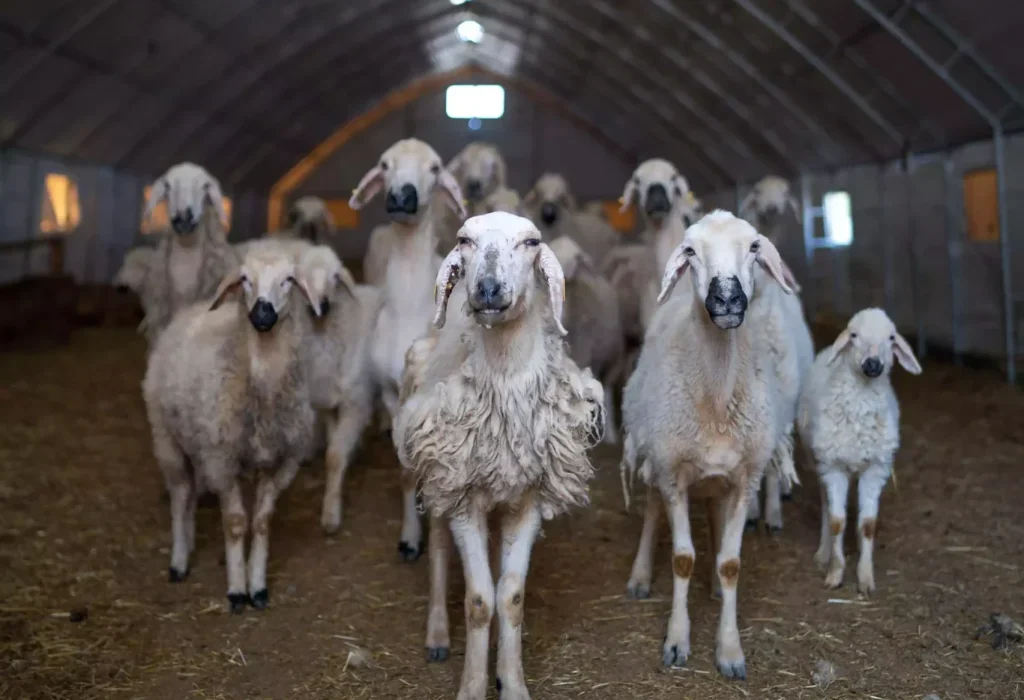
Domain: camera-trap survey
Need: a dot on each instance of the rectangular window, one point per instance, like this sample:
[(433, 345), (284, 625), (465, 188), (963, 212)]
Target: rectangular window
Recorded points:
[(475, 101), (981, 205), (61, 213), (838, 219)]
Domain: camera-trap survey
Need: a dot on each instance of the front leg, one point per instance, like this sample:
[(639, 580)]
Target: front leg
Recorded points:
[(439, 546), (836, 484), (268, 489), (343, 435), (236, 524), (518, 532), (676, 649), (639, 586), (869, 489), (410, 544), (729, 653), (469, 531)]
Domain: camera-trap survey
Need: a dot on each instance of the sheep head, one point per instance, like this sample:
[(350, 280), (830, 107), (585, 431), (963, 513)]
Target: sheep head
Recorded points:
[(550, 199), (479, 169), (720, 250), (870, 341), (502, 258), (187, 188), (310, 219), (325, 276), (410, 171), (265, 279), (658, 190), (771, 194)]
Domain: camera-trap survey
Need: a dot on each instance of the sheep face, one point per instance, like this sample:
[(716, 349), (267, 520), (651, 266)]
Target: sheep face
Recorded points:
[(657, 188), (266, 280), (550, 197), (409, 172), (479, 169), (309, 217), (721, 251), (325, 275), (501, 257), (187, 188), (771, 195), (870, 342)]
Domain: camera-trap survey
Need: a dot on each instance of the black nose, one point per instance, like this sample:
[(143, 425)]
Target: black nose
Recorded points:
[(488, 291), (405, 201), (548, 213), (184, 223), (262, 316), (872, 367), (725, 297), (474, 188), (308, 231), (657, 201)]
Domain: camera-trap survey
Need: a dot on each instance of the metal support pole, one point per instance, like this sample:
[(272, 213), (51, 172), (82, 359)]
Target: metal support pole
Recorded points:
[(887, 276), (953, 248), (1004, 254), (915, 276), (808, 221), (34, 191)]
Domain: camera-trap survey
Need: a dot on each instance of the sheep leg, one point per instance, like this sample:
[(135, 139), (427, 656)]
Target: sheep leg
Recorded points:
[(439, 549), (269, 488), (869, 489), (729, 653), (772, 500), (824, 553), (410, 544), (182, 493), (235, 523), (470, 534), (754, 508), (676, 649), (343, 436), (714, 514), (190, 517), (519, 531), (837, 486), (611, 430), (639, 586)]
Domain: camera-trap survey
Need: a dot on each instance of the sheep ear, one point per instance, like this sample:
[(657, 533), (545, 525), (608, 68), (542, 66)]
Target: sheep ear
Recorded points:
[(454, 166), (747, 201), (531, 196), (628, 193), (768, 257), (157, 192), (303, 286), (447, 277), (213, 191), (569, 201), (904, 355), (450, 186), (368, 188), (795, 206), (345, 279), (554, 279), (674, 269), (229, 284), (837, 347), (329, 223), (790, 278)]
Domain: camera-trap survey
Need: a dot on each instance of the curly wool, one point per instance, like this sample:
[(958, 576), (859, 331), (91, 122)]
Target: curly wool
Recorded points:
[(480, 435)]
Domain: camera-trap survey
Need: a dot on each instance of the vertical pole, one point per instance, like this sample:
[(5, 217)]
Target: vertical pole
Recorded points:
[(953, 248), (915, 276), (808, 219), (887, 276), (30, 218), (1004, 253)]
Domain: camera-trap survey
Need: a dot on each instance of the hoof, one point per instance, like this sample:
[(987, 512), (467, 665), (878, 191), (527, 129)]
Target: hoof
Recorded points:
[(408, 552), (751, 525), (674, 657), (260, 599), (437, 655), (638, 591), (786, 497), (175, 576), (735, 671), (237, 602)]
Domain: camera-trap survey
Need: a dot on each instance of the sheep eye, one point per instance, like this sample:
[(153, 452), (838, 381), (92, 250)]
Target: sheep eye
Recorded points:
[(532, 242), (755, 246), (892, 339), (853, 335), (689, 252), (383, 165), (636, 181), (435, 168), (464, 241)]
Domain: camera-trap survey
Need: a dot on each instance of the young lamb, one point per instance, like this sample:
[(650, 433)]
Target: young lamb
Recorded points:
[(410, 172), (480, 170), (337, 357), (310, 219), (701, 417), (496, 418), (849, 421), (552, 208), (765, 205), (226, 395), (195, 256), (591, 315)]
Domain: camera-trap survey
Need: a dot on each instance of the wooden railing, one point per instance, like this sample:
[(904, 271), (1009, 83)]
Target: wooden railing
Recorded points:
[(55, 244)]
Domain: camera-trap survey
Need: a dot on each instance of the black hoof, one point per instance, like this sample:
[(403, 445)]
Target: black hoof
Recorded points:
[(751, 525), (436, 655), (787, 497), (175, 576), (638, 592), (673, 657), (260, 599), (237, 602), (408, 552)]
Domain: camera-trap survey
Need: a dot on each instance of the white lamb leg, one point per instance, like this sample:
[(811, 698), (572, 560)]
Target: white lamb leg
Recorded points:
[(869, 489), (518, 533), (236, 524), (181, 494), (438, 549), (269, 488), (824, 553), (470, 534), (676, 649), (342, 438), (611, 430), (729, 652), (639, 586), (410, 545), (837, 485), (772, 501)]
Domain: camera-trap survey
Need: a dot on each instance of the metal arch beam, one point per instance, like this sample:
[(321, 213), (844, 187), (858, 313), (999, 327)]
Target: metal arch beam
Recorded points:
[(1000, 157), (837, 81)]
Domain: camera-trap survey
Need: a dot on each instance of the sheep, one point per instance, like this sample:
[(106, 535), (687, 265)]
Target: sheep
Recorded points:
[(195, 256), (766, 203), (337, 359), (591, 315), (495, 418), (226, 395), (628, 267), (700, 416), (501, 199), (848, 422), (552, 208), (410, 172), (310, 219)]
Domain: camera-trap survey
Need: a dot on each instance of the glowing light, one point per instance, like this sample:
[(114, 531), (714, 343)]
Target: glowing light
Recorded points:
[(475, 101), (470, 31)]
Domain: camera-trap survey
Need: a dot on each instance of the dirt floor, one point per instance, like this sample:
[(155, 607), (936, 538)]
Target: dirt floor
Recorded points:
[(86, 610)]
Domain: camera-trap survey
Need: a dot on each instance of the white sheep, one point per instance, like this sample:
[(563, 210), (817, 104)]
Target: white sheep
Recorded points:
[(849, 422), (591, 315), (501, 199), (701, 418), (409, 173), (225, 391), (766, 203), (496, 418), (310, 219), (551, 206), (337, 357)]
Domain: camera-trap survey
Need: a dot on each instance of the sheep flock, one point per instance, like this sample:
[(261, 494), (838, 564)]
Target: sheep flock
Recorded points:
[(502, 338)]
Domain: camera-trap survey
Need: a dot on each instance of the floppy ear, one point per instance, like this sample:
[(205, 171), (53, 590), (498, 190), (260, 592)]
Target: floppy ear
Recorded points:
[(790, 278), (791, 201), (450, 186), (300, 283), (904, 355), (674, 269), (369, 186), (447, 277), (157, 192), (628, 193), (551, 272), (747, 201), (837, 347), (454, 166), (212, 188), (329, 223), (531, 196), (768, 257), (569, 201), (345, 279), (229, 284)]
